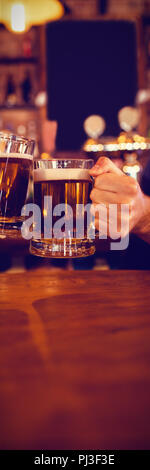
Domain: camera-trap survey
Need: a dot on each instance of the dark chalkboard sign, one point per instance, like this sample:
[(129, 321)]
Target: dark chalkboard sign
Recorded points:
[(91, 69)]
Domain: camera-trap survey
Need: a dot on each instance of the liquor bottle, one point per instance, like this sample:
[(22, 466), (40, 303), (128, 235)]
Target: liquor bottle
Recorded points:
[(27, 47), (11, 97), (26, 88)]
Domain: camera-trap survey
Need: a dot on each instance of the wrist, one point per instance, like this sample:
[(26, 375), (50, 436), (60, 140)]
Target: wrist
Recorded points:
[(142, 225)]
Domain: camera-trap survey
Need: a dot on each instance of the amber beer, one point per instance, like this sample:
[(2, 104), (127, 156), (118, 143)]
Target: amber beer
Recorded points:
[(14, 178), (71, 187), (16, 161)]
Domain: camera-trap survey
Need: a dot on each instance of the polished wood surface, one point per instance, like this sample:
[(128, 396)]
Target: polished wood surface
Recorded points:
[(75, 360)]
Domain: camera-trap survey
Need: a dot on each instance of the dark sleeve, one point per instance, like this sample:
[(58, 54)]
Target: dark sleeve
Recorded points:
[(145, 179)]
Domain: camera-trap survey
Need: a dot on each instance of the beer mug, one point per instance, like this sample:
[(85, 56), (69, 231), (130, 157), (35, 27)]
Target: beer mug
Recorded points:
[(62, 192), (16, 162)]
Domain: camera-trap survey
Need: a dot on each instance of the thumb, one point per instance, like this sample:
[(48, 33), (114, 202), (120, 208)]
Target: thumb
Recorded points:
[(104, 165)]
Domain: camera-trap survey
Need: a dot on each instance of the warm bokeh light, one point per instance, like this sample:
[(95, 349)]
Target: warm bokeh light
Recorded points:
[(128, 118), (94, 126), (92, 145), (45, 156)]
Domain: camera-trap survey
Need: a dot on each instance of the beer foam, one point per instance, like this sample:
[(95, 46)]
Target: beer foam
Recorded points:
[(24, 156), (55, 174)]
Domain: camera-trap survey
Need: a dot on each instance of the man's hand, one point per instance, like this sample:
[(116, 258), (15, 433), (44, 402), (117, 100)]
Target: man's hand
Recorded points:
[(111, 186)]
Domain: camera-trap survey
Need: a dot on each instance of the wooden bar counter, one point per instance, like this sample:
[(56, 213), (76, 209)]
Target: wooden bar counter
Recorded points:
[(75, 360)]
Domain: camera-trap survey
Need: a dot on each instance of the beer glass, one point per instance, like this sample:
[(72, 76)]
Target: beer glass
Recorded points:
[(63, 187), (16, 162)]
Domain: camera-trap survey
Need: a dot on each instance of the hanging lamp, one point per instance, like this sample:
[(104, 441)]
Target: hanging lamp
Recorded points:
[(19, 15)]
